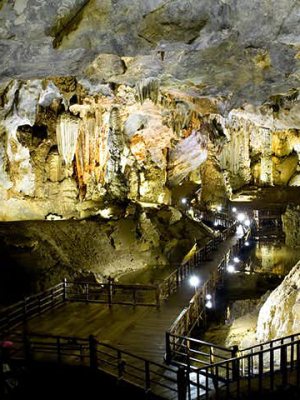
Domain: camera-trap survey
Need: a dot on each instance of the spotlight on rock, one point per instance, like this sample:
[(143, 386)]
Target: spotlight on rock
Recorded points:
[(231, 269)]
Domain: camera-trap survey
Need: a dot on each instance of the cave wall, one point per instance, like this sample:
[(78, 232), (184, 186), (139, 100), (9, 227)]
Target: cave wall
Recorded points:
[(280, 314), (42, 253), (66, 152), (260, 156)]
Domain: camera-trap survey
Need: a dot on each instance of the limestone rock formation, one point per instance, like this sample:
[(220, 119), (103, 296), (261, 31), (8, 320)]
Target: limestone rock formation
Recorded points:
[(130, 241), (280, 314)]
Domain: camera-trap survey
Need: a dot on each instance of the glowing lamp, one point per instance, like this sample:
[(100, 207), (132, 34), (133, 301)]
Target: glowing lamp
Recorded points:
[(184, 200), (230, 269), (236, 259), (234, 209), (215, 224), (247, 222), (208, 304), (208, 297), (241, 217), (194, 281), (247, 243), (219, 208)]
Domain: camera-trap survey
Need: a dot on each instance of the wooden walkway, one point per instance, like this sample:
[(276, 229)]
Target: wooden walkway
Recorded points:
[(140, 330)]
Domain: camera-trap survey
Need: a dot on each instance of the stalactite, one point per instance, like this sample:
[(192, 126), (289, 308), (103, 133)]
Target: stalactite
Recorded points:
[(115, 120), (92, 149), (67, 135), (148, 89)]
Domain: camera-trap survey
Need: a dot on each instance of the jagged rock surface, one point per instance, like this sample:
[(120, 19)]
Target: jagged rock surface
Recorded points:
[(42, 253), (280, 314)]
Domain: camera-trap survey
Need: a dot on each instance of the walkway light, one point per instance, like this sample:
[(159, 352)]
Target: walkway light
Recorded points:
[(241, 217), (234, 209), (208, 297), (194, 281), (208, 304), (236, 259), (231, 269), (183, 200)]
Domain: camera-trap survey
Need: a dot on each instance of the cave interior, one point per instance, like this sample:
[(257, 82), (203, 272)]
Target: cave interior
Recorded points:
[(150, 198)]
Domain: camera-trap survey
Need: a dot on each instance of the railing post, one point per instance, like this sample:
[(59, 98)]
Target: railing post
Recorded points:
[(109, 288), (25, 309), (58, 350), (235, 364), (157, 297), (181, 384), (147, 376), (283, 365), (177, 278), (121, 366), (65, 295), (168, 355), (87, 292), (93, 353), (26, 341)]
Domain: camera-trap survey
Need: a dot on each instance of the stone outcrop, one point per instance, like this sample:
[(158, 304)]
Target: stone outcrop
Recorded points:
[(280, 314), (42, 253)]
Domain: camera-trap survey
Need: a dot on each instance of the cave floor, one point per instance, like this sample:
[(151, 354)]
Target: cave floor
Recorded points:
[(140, 330)]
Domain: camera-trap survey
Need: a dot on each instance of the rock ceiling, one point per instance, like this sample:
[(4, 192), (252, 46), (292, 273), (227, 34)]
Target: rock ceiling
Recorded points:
[(242, 51), (119, 100)]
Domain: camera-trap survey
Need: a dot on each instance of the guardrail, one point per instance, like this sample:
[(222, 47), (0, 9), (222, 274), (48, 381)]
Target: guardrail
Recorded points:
[(113, 293), (254, 371), (105, 293), (32, 306), (196, 311), (123, 365), (171, 283)]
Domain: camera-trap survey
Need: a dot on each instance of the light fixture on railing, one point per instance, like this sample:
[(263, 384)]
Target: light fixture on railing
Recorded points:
[(241, 217), (208, 304), (231, 269), (236, 259), (194, 281)]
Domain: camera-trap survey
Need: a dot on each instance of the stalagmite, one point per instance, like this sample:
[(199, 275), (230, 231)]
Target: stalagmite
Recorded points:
[(148, 89), (67, 134)]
